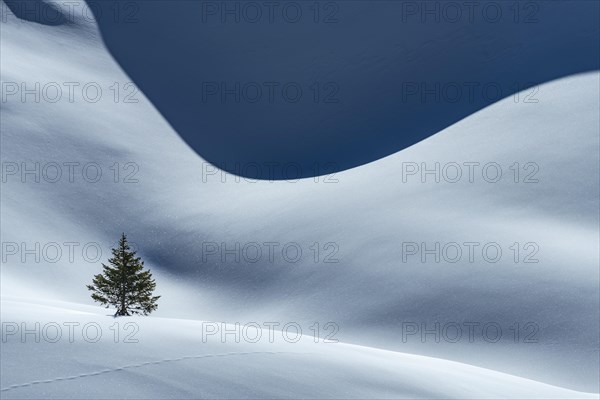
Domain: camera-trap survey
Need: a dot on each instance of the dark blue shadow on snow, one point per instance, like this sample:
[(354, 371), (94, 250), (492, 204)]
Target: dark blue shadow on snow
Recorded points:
[(318, 87), (37, 11)]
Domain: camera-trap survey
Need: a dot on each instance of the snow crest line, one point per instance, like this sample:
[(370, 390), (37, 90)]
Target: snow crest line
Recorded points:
[(104, 371)]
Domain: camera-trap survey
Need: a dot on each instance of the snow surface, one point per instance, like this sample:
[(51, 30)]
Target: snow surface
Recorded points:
[(171, 360), (368, 214)]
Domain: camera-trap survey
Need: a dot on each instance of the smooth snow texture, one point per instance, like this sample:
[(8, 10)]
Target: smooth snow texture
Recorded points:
[(168, 358), (367, 215)]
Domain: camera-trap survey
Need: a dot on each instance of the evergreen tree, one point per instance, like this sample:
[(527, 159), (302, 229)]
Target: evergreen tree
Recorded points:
[(124, 284)]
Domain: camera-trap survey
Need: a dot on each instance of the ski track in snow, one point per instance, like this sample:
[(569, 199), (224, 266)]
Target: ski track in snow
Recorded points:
[(139, 365)]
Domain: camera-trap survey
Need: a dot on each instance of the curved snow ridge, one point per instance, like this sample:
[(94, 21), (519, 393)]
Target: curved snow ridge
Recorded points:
[(138, 365), (383, 80), (352, 119), (483, 383), (459, 380), (238, 369)]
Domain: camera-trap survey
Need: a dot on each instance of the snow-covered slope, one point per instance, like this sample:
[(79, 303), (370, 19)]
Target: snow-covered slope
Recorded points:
[(180, 209), (170, 358)]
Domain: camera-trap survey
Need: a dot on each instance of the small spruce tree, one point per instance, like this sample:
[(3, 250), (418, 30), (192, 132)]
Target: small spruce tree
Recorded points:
[(124, 283)]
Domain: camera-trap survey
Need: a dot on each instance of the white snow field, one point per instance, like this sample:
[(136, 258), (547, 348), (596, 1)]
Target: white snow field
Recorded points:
[(171, 360), (182, 217)]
